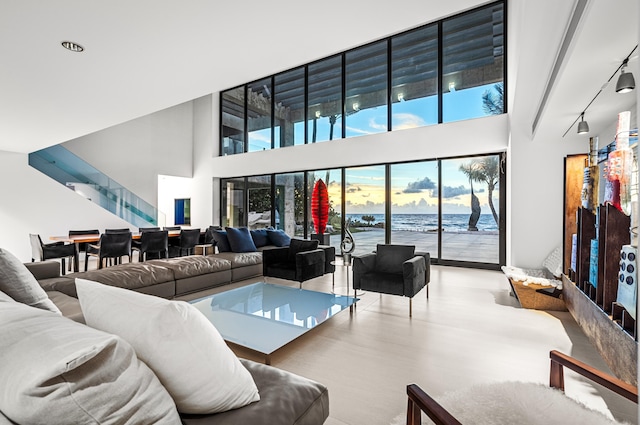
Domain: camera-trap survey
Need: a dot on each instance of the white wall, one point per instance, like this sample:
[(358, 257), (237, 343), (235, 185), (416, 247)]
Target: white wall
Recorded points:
[(445, 140), (34, 203), (136, 152)]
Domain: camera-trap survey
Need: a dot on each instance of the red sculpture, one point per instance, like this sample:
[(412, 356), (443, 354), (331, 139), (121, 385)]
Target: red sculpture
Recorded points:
[(320, 207)]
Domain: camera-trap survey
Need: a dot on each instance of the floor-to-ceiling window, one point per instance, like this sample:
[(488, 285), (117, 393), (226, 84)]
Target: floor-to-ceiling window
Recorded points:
[(414, 78), (259, 115), (289, 98), (289, 205), (366, 90), (324, 91), (232, 121), (452, 208), (470, 209), (414, 205), (259, 201), (449, 70), (232, 210), (473, 64), (365, 201)]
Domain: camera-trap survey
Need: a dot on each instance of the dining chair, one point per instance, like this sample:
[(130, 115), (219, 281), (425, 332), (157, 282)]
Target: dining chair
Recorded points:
[(57, 250), (83, 246), (153, 242), (113, 246), (187, 241)]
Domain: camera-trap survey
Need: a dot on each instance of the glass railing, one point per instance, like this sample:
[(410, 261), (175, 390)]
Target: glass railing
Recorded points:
[(75, 173)]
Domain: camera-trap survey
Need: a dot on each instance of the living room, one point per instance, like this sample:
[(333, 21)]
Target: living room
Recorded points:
[(181, 129)]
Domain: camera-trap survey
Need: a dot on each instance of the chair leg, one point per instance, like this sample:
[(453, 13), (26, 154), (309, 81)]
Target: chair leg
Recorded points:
[(63, 268), (410, 307)]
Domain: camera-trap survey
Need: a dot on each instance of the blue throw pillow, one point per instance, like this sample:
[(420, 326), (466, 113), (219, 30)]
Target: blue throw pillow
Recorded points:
[(222, 242), (260, 237), (240, 239), (278, 237)]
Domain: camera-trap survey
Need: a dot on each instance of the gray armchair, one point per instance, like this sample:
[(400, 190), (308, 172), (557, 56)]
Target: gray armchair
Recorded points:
[(300, 261), (392, 269)]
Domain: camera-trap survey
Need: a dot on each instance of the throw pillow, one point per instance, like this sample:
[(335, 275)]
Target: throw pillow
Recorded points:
[(389, 258), (300, 245), (55, 370), (17, 282), (177, 342), (278, 237), (221, 240), (240, 239), (260, 237)]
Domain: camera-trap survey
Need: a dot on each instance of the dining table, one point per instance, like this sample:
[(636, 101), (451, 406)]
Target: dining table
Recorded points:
[(95, 238)]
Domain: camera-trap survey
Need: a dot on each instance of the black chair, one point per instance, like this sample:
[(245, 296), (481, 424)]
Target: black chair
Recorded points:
[(124, 230), (135, 243), (153, 242), (172, 228), (300, 261), (83, 246), (113, 246), (185, 244), (392, 269), (41, 251)]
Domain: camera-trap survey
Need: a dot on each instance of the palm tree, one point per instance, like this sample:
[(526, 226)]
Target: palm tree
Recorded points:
[(493, 103), (485, 170)]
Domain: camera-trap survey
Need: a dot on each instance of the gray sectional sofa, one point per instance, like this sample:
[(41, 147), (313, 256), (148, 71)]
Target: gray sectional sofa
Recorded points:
[(285, 398)]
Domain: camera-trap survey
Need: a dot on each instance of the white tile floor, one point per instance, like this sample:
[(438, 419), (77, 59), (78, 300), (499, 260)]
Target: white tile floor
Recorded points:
[(469, 331)]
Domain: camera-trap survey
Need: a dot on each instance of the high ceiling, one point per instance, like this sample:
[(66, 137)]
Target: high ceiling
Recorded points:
[(144, 56)]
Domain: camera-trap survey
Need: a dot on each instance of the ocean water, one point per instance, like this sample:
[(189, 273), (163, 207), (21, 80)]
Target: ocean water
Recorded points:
[(429, 222)]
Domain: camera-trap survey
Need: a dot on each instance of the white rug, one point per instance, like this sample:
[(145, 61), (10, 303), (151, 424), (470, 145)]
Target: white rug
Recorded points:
[(512, 403)]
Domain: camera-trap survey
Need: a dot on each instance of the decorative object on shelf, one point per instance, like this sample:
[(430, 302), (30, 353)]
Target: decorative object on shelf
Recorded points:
[(320, 210), (589, 195), (619, 165), (348, 245)]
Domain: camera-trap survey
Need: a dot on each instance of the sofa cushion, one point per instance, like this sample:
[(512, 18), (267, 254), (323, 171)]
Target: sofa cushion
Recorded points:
[(300, 245), (193, 265), (129, 275), (240, 239), (221, 240), (178, 343), (17, 282), (389, 258), (260, 237), (242, 259), (285, 399), (278, 237), (55, 370)]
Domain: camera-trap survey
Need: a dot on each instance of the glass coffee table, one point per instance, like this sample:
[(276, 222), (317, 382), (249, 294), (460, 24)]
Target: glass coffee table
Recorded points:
[(264, 317)]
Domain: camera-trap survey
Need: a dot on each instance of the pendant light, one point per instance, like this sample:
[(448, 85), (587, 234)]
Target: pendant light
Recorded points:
[(583, 126), (626, 82)]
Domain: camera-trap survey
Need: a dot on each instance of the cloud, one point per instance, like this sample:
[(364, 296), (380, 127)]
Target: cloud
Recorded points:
[(420, 185), (452, 192), (403, 121)]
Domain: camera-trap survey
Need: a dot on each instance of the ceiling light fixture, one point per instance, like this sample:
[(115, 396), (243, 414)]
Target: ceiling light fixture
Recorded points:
[(583, 126), (626, 82), (74, 47)]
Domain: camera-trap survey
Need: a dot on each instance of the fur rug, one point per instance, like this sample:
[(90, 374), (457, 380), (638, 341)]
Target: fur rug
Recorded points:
[(512, 403)]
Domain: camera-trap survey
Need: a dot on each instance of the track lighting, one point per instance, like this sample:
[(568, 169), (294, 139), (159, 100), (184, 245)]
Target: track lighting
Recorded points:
[(583, 126), (626, 82)]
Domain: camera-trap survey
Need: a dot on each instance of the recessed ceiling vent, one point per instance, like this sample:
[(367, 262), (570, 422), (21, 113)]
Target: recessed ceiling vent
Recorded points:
[(74, 47)]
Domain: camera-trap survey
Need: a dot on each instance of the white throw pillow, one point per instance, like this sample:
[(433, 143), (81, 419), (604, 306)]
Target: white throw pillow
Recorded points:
[(56, 371), (177, 342)]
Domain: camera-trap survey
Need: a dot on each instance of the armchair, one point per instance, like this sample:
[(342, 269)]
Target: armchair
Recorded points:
[(392, 269), (300, 261)]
